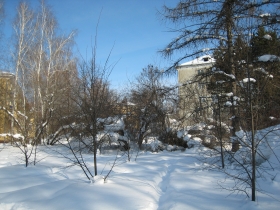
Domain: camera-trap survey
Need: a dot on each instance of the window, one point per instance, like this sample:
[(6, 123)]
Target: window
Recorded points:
[(205, 59)]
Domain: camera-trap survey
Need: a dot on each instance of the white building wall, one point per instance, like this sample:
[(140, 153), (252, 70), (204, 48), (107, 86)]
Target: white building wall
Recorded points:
[(193, 97)]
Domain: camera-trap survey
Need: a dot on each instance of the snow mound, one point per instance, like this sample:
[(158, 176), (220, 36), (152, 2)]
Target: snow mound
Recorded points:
[(154, 144), (97, 179)]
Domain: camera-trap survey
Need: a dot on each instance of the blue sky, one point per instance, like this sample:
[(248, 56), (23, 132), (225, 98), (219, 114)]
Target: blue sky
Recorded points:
[(133, 27)]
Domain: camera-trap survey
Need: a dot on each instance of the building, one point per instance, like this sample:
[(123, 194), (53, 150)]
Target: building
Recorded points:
[(193, 97), (13, 103), (6, 97)]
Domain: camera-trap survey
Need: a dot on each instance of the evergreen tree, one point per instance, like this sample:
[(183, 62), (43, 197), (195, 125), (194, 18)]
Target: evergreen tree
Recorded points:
[(265, 42)]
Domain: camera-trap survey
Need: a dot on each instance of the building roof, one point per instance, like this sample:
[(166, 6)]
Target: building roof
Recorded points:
[(206, 59)]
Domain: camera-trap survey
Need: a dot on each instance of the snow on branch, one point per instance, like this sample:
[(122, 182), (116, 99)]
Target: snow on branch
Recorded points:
[(265, 15), (267, 36), (266, 58), (246, 80), (263, 71), (220, 82), (11, 115), (224, 73), (243, 82), (23, 115), (229, 94), (228, 104)]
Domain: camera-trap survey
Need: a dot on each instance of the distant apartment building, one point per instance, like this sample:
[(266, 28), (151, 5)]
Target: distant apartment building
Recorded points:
[(193, 97)]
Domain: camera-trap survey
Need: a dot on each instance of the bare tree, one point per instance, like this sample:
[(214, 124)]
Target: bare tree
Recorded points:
[(152, 99), (95, 100)]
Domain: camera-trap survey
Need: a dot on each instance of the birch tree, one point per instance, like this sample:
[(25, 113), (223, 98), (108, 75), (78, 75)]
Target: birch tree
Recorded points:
[(20, 117), (50, 57)]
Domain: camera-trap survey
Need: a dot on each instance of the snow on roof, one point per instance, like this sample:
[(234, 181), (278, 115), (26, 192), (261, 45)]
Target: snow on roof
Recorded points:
[(5, 73), (206, 59)]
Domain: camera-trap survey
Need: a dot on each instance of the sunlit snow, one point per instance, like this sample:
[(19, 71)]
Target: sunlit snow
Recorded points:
[(163, 180)]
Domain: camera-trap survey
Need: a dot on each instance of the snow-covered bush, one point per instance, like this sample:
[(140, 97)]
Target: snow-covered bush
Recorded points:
[(194, 142), (154, 144), (171, 148), (202, 134)]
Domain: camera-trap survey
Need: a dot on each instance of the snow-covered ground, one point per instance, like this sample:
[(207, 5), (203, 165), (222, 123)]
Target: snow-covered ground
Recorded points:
[(164, 180)]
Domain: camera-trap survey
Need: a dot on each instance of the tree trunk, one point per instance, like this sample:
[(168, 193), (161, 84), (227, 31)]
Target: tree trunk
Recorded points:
[(94, 157), (220, 134), (229, 25), (253, 146)]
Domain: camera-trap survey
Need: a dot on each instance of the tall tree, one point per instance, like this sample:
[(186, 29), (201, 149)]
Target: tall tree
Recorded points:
[(50, 58), (24, 32)]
